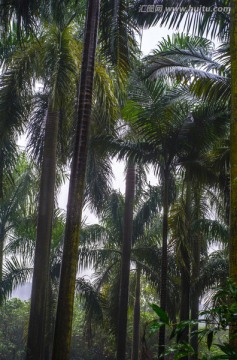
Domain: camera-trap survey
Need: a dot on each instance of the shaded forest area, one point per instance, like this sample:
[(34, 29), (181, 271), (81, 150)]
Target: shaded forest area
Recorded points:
[(162, 258)]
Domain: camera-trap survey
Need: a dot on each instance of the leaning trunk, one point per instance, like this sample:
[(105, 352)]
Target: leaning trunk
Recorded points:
[(233, 151), (136, 317), (36, 331), (164, 259), (63, 327), (125, 267)]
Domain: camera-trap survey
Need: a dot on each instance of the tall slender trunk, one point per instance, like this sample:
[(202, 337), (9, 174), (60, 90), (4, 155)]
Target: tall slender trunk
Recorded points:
[(196, 253), (63, 326), (195, 293), (233, 152), (136, 317), (125, 266), (1, 254), (49, 326), (185, 290), (36, 331), (164, 265), (1, 225), (1, 175), (185, 268)]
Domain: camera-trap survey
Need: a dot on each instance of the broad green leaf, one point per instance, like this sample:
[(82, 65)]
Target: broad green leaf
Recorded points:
[(210, 339), (161, 313)]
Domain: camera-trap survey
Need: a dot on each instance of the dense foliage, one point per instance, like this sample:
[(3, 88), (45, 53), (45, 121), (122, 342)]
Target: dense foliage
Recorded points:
[(77, 90)]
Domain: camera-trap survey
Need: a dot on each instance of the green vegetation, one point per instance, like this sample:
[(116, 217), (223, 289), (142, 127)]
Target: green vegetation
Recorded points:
[(75, 83)]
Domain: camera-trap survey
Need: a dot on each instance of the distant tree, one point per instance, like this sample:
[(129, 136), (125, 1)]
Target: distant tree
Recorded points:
[(14, 315)]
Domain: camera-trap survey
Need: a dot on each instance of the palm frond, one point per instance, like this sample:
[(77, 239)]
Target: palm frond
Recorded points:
[(95, 258), (93, 300), (15, 272), (146, 212), (214, 231), (199, 22), (120, 45), (98, 179), (214, 271)]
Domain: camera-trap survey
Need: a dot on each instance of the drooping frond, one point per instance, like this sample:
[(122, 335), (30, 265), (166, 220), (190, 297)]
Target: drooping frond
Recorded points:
[(194, 17), (15, 196), (147, 211), (21, 14), (214, 271), (214, 231), (15, 272), (195, 62), (93, 299), (117, 35), (98, 178)]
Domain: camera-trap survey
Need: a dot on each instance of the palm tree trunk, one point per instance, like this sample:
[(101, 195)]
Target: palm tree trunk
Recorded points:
[(233, 152), (1, 175), (136, 317), (1, 227), (195, 294), (196, 253), (185, 293), (49, 326), (63, 326), (36, 330), (164, 259), (1, 254), (125, 266), (185, 269)]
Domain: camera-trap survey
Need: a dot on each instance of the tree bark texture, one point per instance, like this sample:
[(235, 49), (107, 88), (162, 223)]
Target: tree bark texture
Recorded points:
[(2, 235), (164, 260), (233, 160), (185, 267), (36, 331), (1, 254), (125, 266), (136, 317), (196, 254), (63, 327)]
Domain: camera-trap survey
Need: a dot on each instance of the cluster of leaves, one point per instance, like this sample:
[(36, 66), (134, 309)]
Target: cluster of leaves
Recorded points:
[(213, 321)]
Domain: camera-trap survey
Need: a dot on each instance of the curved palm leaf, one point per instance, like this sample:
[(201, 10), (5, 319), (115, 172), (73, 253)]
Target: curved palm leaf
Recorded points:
[(201, 22)]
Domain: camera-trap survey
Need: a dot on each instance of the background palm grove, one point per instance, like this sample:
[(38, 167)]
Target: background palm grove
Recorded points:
[(74, 81)]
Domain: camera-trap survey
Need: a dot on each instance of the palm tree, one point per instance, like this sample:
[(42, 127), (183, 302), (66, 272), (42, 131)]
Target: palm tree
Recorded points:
[(194, 62), (136, 316), (18, 265), (61, 74), (233, 218), (78, 168), (63, 324), (104, 250), (15, 191), (211, 22), (126, 256), (158, 124)]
